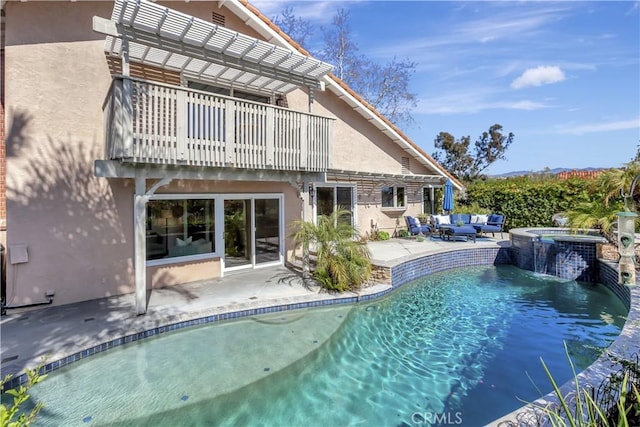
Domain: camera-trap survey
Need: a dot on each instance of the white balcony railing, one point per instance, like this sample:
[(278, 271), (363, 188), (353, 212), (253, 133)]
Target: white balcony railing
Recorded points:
[(163, 124)]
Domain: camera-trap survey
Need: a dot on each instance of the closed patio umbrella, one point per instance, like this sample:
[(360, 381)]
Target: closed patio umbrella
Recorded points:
[(447, 199)]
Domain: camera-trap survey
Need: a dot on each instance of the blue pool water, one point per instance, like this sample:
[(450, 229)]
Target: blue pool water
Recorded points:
[(462, 346)]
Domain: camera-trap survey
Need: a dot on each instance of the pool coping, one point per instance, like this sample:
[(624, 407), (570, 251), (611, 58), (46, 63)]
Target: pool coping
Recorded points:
[(403, 270)]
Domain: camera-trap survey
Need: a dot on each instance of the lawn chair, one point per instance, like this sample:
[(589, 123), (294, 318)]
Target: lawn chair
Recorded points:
[(415, 228)]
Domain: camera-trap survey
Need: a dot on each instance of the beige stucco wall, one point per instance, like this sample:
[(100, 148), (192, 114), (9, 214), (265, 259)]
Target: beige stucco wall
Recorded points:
[(74, 225), (78, 228)]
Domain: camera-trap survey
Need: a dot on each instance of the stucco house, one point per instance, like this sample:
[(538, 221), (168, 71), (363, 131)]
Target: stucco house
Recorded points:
[(151, 144)]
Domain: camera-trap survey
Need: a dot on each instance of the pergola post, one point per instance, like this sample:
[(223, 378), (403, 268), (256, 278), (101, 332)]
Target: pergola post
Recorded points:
[(139, 243)]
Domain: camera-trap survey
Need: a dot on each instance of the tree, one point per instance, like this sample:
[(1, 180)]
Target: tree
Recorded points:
[(300, 30), (454, 154), (636, 158), (384, 86), (339, 48)]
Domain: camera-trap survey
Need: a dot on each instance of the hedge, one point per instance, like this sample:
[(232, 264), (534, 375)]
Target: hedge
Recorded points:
[(528, 201)]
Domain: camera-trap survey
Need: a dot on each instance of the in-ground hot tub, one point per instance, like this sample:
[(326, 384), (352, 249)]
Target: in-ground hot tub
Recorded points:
[(557, 251)]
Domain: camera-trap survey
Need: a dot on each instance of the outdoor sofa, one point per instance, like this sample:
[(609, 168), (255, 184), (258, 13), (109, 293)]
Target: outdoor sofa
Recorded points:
[(468, 225)]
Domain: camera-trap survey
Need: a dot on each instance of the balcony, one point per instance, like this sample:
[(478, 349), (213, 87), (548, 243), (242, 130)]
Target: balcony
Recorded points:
[(153, 123)]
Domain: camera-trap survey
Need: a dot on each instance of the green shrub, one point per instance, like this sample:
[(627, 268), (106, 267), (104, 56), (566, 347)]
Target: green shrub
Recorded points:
[(423, 218), (526, 201), (404, 233), (383, 235)]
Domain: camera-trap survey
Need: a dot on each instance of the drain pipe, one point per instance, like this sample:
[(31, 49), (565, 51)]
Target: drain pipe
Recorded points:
[(3, 310)]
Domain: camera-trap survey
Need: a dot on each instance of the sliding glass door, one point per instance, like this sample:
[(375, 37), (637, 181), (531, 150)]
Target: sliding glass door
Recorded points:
[(252, 232)]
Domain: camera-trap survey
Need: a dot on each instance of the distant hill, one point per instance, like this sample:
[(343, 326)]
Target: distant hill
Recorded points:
[(553, 171)]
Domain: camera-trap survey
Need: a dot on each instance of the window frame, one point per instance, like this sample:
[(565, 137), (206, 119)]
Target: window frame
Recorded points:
[(335, 186), (215, 241), (396, 205)]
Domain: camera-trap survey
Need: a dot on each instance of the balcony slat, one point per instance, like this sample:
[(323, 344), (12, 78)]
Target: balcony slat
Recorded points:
[(165, 124)]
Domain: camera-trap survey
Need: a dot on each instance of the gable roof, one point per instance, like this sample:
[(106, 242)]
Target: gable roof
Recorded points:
[(263, 25)]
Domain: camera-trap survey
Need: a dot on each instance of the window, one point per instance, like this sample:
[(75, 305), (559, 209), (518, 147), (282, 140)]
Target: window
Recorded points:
[(177, 228), (393, 197), (427, 201), (329, 199)]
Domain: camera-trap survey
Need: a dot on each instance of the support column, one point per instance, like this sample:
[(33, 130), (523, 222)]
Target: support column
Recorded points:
[(139, 243)]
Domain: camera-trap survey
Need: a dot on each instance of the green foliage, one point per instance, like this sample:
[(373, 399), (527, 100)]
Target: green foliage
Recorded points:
[(342, 262), (526, 201), (376, 234), (423, 218), (404, 233), (607, 200), (454, 154), (383, 235), (10, 414), (531, 201), (472, 208), (583, 411)]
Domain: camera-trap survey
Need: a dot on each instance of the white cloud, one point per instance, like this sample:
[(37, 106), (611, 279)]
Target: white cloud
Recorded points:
[(541, 75), (527, 105), (600, 127), (470, 101)]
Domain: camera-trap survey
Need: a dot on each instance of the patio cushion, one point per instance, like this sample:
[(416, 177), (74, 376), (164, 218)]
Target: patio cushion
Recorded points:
[(442, 219), (453, 230), (479, 219), (495, 219)]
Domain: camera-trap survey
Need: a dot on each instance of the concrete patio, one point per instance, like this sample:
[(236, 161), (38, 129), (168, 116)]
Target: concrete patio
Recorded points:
[(60, 331)]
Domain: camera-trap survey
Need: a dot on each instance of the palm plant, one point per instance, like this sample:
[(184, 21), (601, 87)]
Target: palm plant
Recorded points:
[(600, 212), (616, 182), (342, 261)]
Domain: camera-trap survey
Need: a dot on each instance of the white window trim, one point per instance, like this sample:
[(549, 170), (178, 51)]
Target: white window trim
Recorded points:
[(354, 199), (395, 198), (219, 219)]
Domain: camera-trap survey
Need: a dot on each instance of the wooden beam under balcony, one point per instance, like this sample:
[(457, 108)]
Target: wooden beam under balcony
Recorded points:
[(117, 169)]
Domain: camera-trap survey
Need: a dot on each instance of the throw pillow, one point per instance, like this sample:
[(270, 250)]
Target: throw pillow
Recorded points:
[(482, 219), (180, 242), (443, 219), (474, 219)]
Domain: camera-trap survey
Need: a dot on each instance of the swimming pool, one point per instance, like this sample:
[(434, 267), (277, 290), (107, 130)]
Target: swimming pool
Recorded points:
[(453, 344)]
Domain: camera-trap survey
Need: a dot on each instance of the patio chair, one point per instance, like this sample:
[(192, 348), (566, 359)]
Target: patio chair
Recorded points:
[(415, 227), (494, 225)]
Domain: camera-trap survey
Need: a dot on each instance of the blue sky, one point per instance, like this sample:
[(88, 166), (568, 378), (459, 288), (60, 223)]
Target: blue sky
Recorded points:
[(564, 77)]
